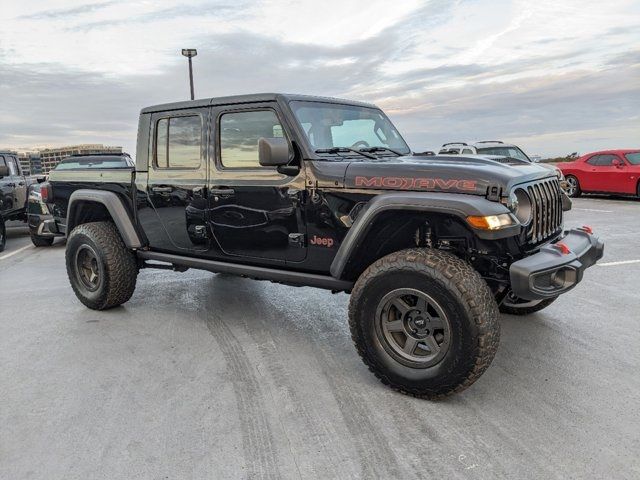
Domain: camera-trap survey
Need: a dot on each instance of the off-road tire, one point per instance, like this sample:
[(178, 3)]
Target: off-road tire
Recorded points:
[(3, 234), (577, 191), (513, 310), (39, 241), (466, 300), (117, 266)]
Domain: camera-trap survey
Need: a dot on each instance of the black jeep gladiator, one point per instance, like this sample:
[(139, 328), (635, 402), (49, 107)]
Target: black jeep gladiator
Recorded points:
[(321, 192)]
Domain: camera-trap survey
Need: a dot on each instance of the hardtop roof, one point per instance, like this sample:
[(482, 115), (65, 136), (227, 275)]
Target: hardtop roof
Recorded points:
[(249, 98)]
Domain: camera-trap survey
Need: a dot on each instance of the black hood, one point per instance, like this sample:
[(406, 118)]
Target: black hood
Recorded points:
[(476, 175)]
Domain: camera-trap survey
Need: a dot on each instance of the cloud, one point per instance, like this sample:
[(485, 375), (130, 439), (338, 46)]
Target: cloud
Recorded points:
[(226, 10), (575, 90), (66, 12)]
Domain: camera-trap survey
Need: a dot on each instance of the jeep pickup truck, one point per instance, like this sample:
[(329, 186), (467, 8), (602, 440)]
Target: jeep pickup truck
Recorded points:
[(13, 192), (320, 192)]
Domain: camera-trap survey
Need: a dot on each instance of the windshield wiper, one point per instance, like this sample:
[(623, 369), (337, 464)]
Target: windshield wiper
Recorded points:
[(345, 149), (381, 149)]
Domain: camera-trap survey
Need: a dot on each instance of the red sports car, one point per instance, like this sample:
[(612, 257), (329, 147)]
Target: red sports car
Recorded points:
[(608, 171)]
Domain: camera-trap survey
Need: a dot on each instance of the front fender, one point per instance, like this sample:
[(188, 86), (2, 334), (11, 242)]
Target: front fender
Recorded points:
[(458, 205)]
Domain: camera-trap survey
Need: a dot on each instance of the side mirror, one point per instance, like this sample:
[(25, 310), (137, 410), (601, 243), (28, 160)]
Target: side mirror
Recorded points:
[(273, 152), (617, 163), (4, 171)]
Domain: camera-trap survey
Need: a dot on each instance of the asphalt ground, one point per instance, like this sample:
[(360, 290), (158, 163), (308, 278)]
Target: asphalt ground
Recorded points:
[(211, 376)]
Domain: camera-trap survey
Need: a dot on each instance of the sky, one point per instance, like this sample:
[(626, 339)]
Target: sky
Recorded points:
[(554, 77)]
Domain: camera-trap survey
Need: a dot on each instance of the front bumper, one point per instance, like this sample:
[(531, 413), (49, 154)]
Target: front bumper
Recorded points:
[(557, 267)]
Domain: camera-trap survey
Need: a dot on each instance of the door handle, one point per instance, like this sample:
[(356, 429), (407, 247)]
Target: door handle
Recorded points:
[(21, 184), (162, 189), (223, 192)]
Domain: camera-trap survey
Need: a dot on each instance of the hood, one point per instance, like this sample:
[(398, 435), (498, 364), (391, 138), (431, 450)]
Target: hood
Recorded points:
[(476, 175)]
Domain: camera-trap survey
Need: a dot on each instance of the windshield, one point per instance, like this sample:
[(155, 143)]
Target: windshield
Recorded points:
[(634, 158), (513, 152), (330, 125), (94, 162)]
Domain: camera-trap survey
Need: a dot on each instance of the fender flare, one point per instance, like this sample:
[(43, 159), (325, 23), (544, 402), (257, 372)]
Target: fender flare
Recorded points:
[(458, 205), (114, 206)]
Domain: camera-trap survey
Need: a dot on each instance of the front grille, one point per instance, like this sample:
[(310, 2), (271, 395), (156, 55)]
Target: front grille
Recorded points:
[(546, 199)]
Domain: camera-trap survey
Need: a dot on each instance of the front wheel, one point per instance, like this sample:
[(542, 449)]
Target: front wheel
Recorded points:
[(424, 322), (101, 269), (573, 186), (39, 241)]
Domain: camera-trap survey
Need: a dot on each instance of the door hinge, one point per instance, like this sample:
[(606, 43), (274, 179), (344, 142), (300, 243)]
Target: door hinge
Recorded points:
[(297, 239)]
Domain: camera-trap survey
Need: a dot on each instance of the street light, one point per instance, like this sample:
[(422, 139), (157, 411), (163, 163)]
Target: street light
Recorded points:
[(190, 53)]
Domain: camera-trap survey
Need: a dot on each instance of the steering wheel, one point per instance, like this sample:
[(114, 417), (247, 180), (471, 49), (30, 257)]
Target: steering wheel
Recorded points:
[(360, 143)]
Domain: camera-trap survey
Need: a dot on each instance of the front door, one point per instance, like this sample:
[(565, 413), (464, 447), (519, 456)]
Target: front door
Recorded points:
[(255, 212), (177, 181)]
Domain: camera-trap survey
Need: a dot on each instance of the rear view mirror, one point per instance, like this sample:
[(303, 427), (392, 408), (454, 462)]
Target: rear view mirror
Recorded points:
[(273, 152), (4, 171)]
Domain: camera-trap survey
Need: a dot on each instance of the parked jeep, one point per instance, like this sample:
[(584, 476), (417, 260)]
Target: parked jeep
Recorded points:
[(325, 193), (37, 210), (13, 192)]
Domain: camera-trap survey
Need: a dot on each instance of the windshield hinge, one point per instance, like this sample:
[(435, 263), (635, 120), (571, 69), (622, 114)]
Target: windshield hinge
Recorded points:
[(494, 193)]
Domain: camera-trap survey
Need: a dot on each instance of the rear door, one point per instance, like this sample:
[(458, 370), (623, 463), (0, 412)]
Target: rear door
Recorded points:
[(18, 181), (176, 187), (256, 212)]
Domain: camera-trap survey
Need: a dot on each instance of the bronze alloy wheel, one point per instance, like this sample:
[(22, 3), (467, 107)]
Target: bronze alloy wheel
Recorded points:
[(413, 328), (87, 268)]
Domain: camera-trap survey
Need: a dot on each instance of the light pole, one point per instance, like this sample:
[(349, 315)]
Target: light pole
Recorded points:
[(190, 53)]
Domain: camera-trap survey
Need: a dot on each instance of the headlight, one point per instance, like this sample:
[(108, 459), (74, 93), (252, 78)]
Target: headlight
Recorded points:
[(559, 174), (491, 222), (520, 205)]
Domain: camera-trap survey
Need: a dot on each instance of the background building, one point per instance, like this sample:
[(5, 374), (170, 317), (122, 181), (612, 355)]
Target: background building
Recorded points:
[(52, 156), (30, 162)]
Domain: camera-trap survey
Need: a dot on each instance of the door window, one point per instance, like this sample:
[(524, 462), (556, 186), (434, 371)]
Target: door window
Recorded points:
[(601, 160), (179, 142), (239, 135)]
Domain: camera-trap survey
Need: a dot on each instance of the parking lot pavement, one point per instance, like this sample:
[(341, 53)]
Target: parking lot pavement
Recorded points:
[(212, 376)]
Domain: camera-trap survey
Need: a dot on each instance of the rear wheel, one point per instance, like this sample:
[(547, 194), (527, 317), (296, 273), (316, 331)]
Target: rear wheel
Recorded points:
[(3, 234), (573, 186), (518, 306), (39, 241), (101, 269), (424, 322)]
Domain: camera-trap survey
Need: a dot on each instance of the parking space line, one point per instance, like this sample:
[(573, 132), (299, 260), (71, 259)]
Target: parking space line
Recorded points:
[(613, 264), (17, 251), (593, 210)]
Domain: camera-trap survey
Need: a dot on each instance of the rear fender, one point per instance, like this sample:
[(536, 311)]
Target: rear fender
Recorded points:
[(114, 207)]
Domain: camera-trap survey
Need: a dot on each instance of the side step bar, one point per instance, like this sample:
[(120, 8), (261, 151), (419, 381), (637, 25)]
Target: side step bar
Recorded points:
[(287, 277)]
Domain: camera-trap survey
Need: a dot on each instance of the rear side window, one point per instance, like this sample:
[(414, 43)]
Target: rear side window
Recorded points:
[(179, 142), (634, 158), (2, 162), (239, 135)]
